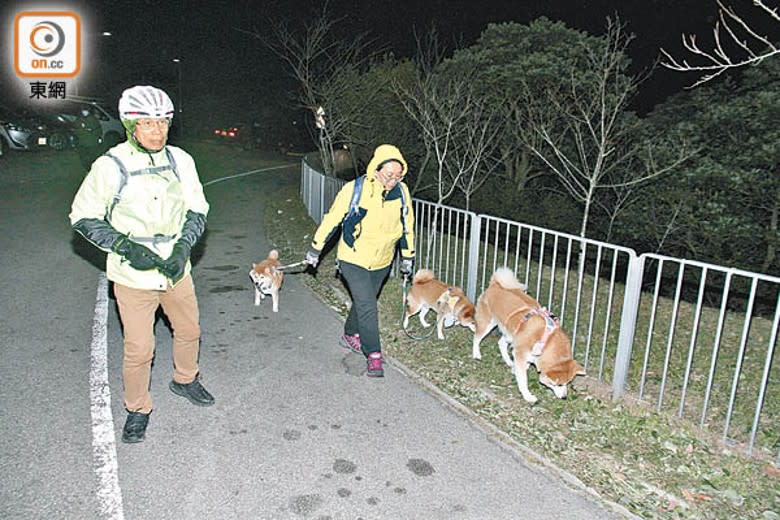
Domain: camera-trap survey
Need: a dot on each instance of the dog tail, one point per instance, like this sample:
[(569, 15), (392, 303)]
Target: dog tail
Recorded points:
[(273, 254), (505, 277), (423, 275)]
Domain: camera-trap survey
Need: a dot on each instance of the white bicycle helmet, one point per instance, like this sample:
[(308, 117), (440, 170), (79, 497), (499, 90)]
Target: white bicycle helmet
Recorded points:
[(145, 101)]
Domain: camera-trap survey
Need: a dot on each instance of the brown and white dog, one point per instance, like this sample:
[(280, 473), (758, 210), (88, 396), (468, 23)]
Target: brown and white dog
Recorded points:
[(267, 279), (534, 334), (450, 303)]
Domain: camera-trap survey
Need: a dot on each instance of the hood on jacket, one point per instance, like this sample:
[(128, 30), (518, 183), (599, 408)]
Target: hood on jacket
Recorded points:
[(383, 153)]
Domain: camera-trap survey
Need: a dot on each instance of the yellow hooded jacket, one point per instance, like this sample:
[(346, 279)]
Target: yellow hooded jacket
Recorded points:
[(380, 227)]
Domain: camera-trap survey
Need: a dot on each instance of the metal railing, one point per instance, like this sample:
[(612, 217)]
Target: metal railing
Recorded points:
[(676, 332)]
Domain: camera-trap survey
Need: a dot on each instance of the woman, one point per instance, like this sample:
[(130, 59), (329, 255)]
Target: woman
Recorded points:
[(372, 225)]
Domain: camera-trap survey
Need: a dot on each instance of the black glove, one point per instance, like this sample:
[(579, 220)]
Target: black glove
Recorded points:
[(193, 227), (191, 231), (406, 267), (312, 257), (173, 266), (103, 235), (139, 256)]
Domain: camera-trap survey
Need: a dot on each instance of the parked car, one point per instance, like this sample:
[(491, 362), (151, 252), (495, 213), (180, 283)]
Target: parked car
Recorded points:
[(19, 131), (59, 132), (110, 124)]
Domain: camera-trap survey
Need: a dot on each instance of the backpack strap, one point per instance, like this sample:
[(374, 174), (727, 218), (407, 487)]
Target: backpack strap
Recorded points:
[(355, 200), (172, 163), (354, 209), (124, 175), (404, 209)]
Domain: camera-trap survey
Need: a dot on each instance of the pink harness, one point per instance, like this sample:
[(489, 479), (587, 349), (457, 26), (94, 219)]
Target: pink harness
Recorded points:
[(550, 324)]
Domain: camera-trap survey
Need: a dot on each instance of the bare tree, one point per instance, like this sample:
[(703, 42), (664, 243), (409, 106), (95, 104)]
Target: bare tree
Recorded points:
[(593, 143), (323, 65), (477, 155), (458, 128), (740, 45), (438, 107)]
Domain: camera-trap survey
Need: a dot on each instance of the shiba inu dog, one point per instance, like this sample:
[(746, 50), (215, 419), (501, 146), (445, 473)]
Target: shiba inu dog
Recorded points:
[(532, 332), (450, 303), (268, 279)]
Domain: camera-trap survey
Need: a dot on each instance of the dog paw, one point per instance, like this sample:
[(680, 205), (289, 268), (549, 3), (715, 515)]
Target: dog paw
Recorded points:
[(530, 398), (476, 355)]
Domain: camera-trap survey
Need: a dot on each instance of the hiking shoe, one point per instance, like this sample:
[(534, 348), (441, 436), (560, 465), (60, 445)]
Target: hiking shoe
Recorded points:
[(374, 365), (193, 391), (351, 342), (135, 427)]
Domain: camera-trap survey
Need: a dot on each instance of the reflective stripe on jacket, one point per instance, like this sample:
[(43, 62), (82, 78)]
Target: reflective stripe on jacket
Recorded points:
[(149, 205)]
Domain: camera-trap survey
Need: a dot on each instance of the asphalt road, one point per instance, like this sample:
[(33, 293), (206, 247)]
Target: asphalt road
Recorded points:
[(298, 430)]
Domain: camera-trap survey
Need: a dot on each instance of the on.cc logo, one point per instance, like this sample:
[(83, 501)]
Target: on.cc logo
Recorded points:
[(47, 39)]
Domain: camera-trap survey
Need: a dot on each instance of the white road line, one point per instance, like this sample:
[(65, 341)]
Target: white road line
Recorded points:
[(244, 174), (103, 441)]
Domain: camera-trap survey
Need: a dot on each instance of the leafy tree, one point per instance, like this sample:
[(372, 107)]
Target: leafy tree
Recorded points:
[(594, 142), (512, 65), (726, 203), (385, 120)]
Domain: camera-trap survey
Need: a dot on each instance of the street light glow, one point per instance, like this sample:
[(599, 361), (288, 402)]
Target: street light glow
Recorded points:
[(179, 102)]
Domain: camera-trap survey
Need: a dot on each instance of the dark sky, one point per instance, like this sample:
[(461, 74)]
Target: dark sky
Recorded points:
[(222, 62), (206, 33)]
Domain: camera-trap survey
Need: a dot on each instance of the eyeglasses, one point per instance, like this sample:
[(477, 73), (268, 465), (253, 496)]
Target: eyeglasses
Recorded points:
[(148, 125)]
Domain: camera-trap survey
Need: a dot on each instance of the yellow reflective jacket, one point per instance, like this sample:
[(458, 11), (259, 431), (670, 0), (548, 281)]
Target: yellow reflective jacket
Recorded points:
[(380, 228), (149, 205)]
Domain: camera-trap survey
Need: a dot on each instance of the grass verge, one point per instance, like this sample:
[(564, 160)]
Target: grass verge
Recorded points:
[(653, 464)]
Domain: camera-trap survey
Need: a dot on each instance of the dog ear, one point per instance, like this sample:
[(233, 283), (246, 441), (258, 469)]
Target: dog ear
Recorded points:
[(452, 301), (254, 265)]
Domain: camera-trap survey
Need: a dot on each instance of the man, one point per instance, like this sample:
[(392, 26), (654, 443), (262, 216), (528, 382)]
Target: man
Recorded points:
[(142, 202)]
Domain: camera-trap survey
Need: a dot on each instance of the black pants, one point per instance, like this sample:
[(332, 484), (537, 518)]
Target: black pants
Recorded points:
[(364, 287)]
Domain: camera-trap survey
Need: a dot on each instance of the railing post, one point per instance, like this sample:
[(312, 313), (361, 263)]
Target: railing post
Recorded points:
[(322, 199), (631, 298), (473, 262)]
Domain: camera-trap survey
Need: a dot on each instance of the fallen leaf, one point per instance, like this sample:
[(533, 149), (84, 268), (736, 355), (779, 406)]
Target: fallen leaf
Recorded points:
[(772, 470)]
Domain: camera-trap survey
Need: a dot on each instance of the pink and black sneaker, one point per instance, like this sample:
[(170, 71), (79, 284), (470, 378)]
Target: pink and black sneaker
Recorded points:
[(351, 342), (374, 365)]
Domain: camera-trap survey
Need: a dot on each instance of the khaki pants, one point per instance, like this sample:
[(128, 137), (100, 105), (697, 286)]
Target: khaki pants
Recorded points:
[(137, 308)]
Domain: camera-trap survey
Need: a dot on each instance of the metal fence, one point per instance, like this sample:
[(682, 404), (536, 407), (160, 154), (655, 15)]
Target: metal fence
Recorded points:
[(676, 334)]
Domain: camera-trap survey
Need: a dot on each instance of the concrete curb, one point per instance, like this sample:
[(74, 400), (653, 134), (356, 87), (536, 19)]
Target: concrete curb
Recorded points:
[(501, 438)]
